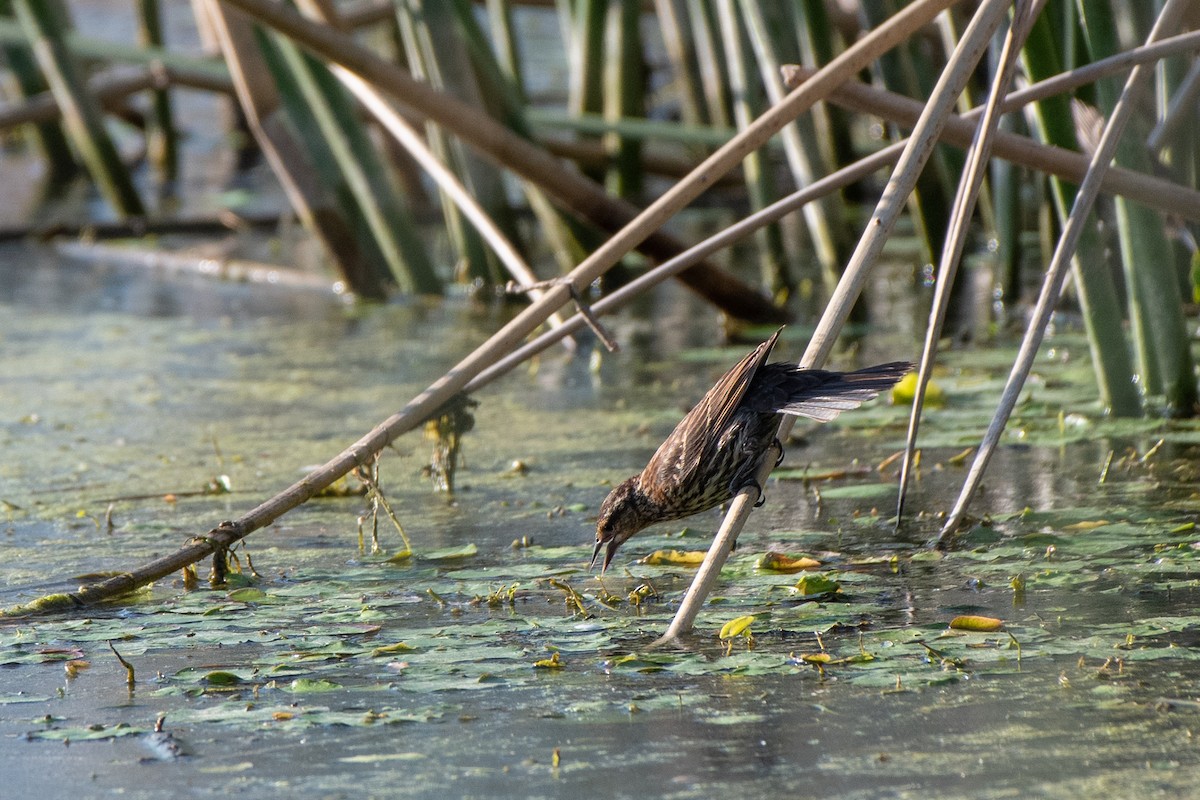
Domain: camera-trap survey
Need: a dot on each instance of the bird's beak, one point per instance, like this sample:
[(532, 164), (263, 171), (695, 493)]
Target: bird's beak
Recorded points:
[(609, 553), (595, 553)]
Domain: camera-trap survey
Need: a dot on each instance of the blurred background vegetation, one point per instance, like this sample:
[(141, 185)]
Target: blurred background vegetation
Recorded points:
[(531, 131)]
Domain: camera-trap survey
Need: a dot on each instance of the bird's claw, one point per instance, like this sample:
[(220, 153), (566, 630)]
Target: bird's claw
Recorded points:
[(762, 496), (778, 446)]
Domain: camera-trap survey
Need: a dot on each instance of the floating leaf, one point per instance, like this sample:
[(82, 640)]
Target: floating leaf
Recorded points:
[(310, 685), (780, 562), (90, 733), (679, 558), (247, 595), (400, 557), (222, 678), (392, 649), (973, 623), (859, 491), (1086, 525), (817, 583), (451, 553), (736, 626)]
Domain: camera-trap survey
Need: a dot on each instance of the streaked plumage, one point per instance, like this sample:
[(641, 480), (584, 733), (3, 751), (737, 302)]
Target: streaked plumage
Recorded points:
[(718, 447)]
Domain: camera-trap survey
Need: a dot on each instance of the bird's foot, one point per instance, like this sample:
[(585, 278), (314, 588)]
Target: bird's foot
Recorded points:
[(762, 497)]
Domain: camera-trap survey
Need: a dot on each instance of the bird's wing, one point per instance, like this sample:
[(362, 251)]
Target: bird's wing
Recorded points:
[(819, 394), (681, 454)]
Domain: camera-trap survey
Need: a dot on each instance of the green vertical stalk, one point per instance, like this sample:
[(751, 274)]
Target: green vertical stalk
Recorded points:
[(583, 26), (1098, 298), (624, 95), (826, 224), (505, 100), (677, 40), (341, 149), (342, 154), (1176, 147), (907, 71), (816, 38), (82, 117), (436, 52), (508, 45), (1156, 315), (587, 57), (28, 82), (755, 168), (712, 64), (165, 148)]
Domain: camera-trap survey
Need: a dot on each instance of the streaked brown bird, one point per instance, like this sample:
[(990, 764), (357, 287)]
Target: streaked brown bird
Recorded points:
[(715, 451)]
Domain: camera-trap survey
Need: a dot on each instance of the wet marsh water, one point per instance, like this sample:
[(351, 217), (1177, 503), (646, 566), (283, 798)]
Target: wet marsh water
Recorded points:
[(463, 670)]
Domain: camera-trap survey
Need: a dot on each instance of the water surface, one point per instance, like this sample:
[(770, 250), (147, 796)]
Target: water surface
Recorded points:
[(462, 671)]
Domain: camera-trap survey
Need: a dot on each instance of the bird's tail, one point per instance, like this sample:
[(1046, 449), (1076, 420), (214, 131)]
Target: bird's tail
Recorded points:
[(835, 392)]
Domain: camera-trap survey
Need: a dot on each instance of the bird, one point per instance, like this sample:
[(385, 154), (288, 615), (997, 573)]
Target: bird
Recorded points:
[(717, 448)]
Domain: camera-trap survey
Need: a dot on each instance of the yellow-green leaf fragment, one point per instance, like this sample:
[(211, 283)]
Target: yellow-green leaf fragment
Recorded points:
[(679, 558), (309, 685), (403, 555), (553, 662), (973, 623), (392, 649), (737, 626), (781, 562), (904, 391), (1086, 525)]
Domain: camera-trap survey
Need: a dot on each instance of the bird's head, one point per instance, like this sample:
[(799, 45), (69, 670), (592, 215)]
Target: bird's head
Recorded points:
[(621, 516)]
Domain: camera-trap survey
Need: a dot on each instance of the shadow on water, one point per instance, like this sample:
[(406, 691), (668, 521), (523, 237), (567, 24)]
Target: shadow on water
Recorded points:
[(464, 670)]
